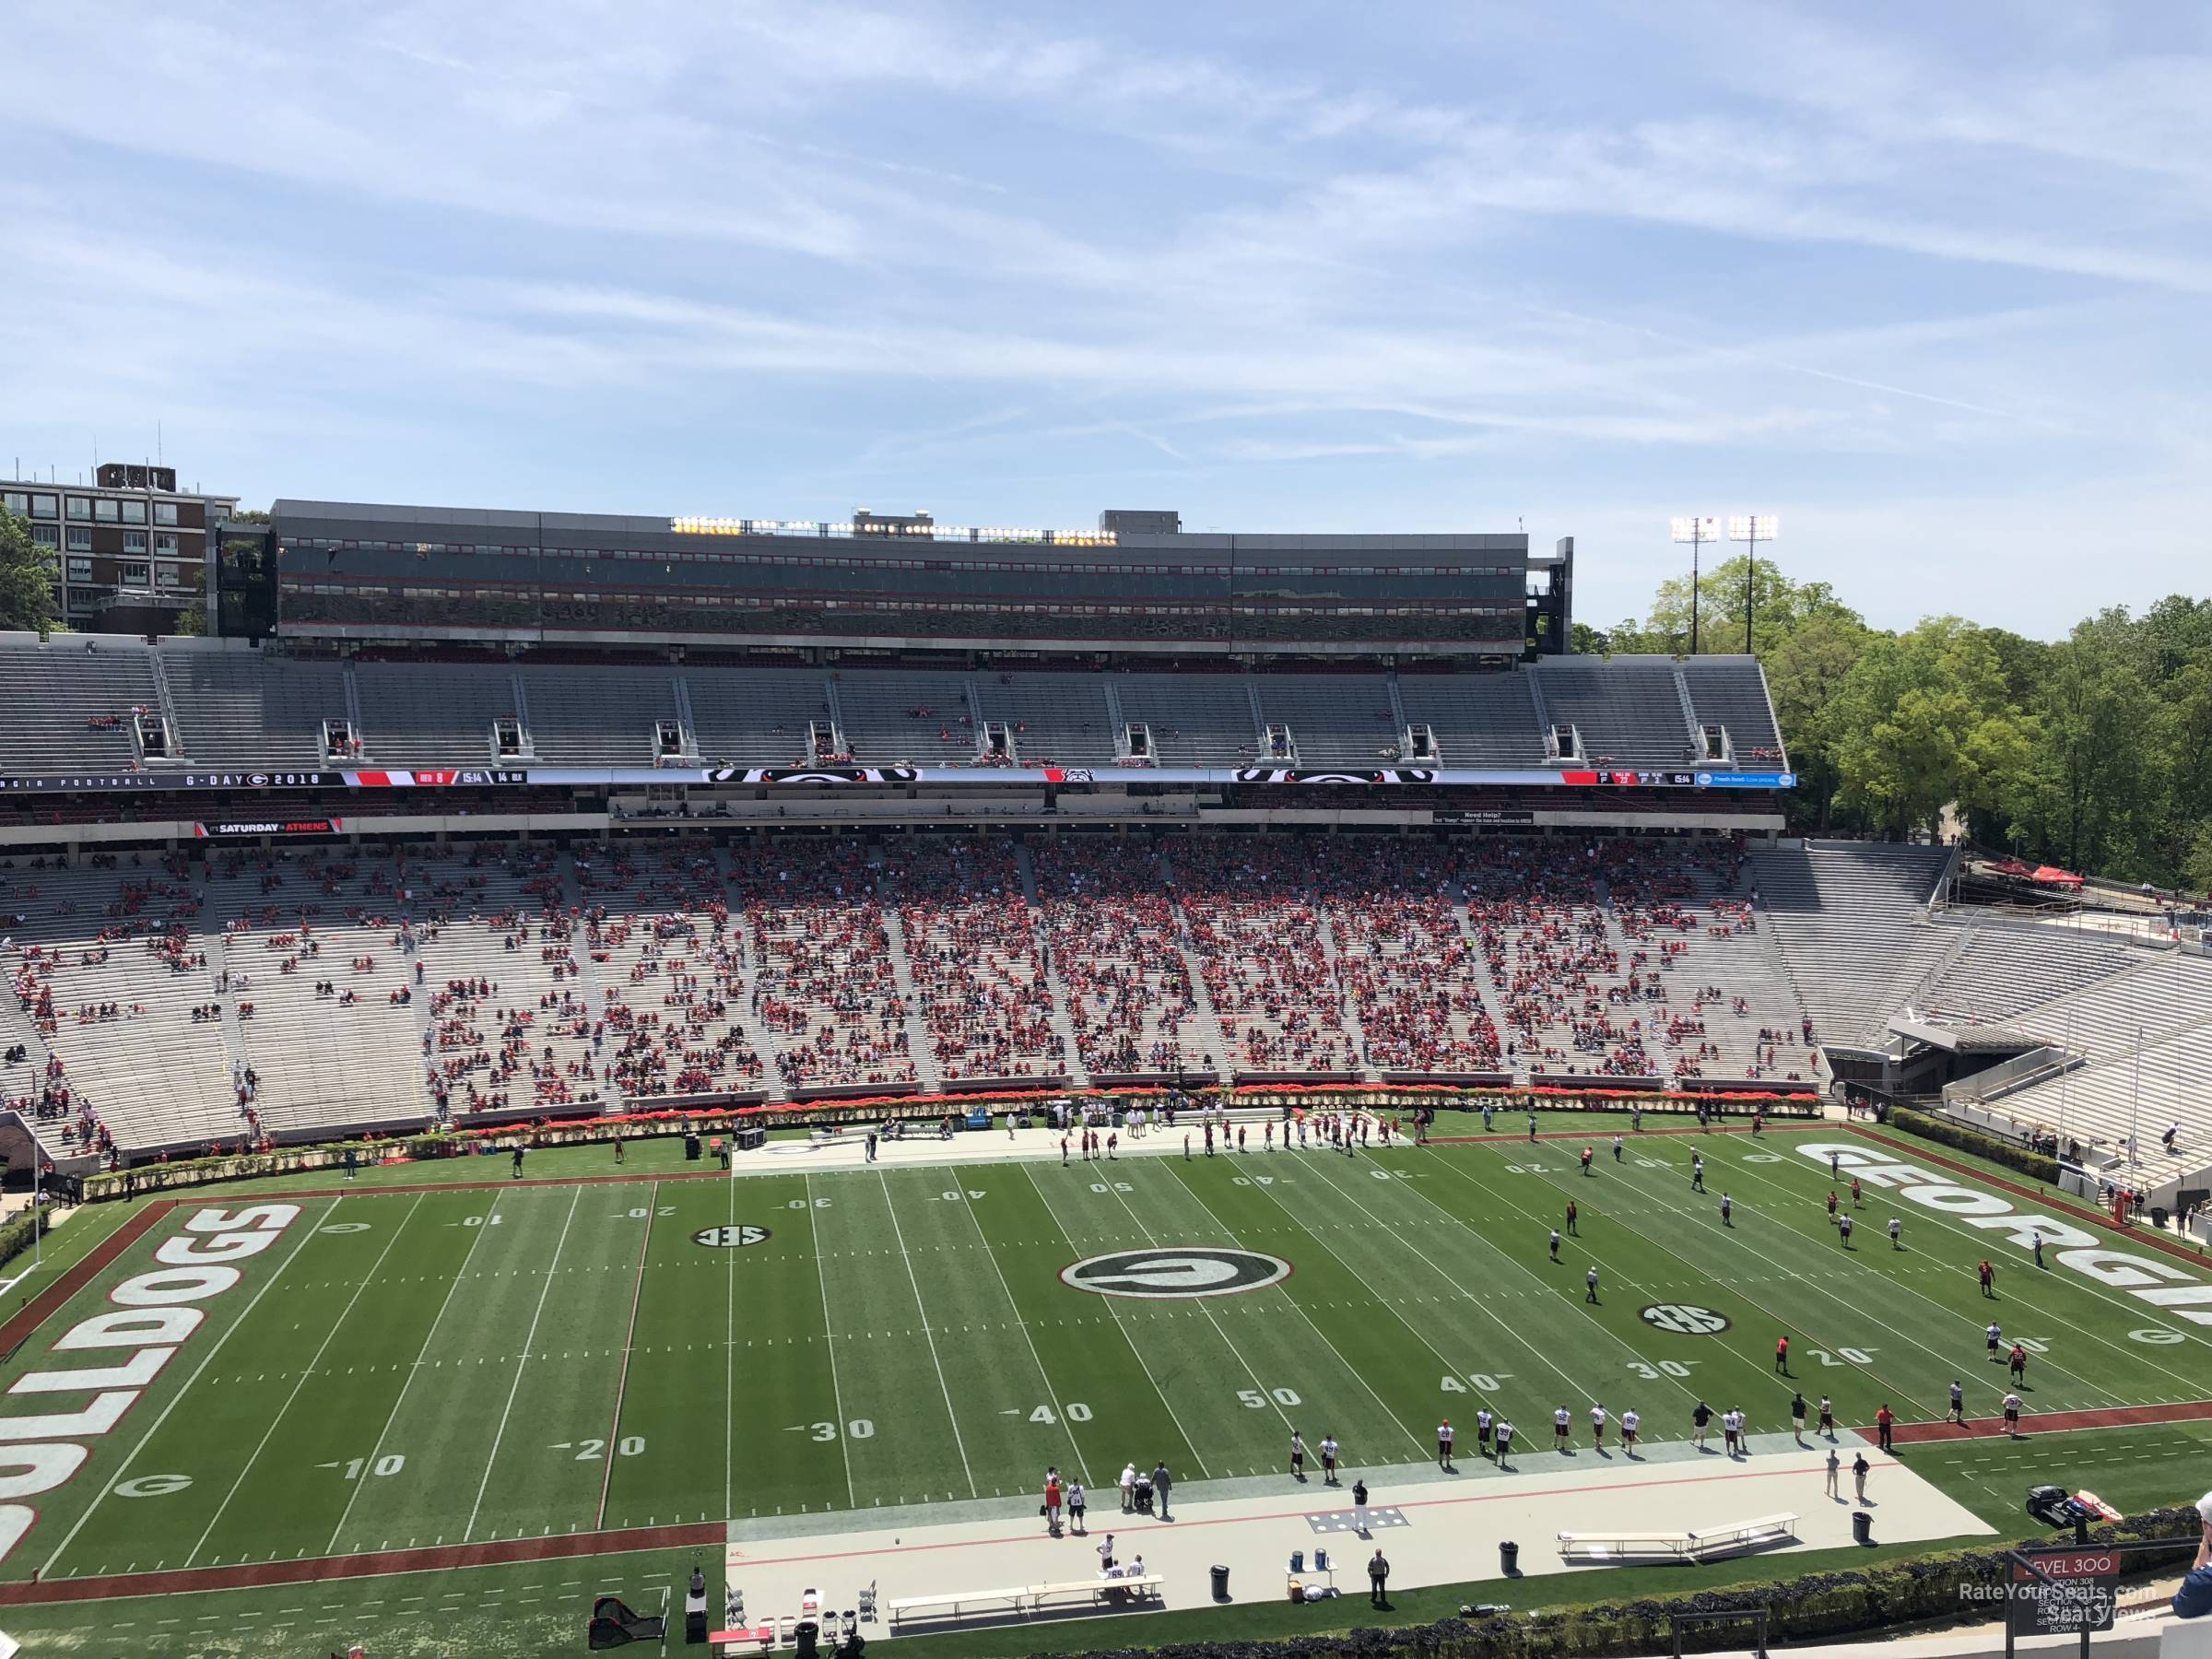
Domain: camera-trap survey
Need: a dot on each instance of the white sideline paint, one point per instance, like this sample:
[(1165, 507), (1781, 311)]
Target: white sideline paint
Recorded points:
[(522, 1364), (312, 1367), (377, 1450), (922, 1308)]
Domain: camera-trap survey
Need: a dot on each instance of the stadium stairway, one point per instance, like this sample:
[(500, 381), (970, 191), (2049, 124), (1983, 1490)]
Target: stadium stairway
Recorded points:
[(1491, 1005), (927, 1069), (745, 1013), (588, 977), (1209, 1018), (1062, 1026), (1349, 1015)]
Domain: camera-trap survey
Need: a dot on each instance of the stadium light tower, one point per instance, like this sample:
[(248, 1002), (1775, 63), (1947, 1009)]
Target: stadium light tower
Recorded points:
[(1753, 527), (1697, 532)]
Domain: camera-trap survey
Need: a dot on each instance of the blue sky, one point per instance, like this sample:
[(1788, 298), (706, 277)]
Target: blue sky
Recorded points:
[(1930, 282)]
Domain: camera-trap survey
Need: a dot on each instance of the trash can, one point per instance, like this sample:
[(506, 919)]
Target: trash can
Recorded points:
[(1862, 1527), (1509, 1559), (2157, 1217), (1220, 1583)]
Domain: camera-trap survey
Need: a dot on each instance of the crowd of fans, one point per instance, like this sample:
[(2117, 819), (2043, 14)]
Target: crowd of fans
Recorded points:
[(531, 979)]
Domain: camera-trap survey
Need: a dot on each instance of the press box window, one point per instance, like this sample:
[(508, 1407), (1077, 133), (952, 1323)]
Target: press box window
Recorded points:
[(107, 510), (80, 507), (165, 512), (133, 513)]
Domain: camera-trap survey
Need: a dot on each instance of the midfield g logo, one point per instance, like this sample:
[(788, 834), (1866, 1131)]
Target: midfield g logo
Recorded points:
[(1685, 1319), (1179, 1270)]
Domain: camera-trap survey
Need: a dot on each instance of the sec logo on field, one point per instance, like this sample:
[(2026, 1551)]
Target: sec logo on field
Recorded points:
[(1685, 1319), (1176, 1270), (730, 1238)]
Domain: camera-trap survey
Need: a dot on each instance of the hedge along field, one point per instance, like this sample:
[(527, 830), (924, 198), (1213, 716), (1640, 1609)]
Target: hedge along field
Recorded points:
[(906, 1336)]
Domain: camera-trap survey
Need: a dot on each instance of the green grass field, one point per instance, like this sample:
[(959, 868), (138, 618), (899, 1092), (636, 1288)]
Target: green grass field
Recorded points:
[(410, 1369)]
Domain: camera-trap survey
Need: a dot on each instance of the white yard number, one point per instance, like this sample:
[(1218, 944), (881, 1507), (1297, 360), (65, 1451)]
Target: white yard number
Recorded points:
[(630, 1445), (1528, 1169), (1076, 1413), (1482, 1382), (808, 1204), (638, 1215), (481, 1221), (1390, 1175), (1257, 1401), (1119, 1186), (859, 1428), (1665, 1368), (1845, 1356), (956, 1195), (1253, 1180), (390, 1463), (2034, 1345)]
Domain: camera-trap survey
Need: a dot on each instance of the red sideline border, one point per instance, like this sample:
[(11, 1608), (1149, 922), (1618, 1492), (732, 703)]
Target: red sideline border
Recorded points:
[(2112, 1417), (25, 1321), (697, 1535)]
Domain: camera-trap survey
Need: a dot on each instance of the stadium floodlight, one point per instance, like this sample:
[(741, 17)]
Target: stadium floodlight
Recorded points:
[(1754, 528), (1697, 532)]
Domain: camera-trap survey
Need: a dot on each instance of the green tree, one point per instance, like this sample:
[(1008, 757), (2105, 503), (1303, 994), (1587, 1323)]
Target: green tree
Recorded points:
[(2092, 795), (26, 578), (192, 621), (1923, 721), (1804, 668)]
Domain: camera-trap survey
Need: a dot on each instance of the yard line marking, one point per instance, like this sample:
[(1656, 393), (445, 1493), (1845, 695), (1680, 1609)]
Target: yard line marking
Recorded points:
[(1432, 1347), (1206, 1308), (1293, 1303), (47, 1571), (375, 1451), (1701, 1279), (629, 1338), (1058, 1399), (829, 1341), (312, 1365), (900, 1233), (1190, 1444), (1942, 1363), (521, 1363)]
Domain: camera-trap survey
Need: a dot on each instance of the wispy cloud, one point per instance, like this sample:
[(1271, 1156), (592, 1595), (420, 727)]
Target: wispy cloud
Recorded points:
[(1434, 275)]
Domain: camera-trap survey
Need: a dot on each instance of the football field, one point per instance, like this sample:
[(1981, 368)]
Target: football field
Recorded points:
[(484, 1370)]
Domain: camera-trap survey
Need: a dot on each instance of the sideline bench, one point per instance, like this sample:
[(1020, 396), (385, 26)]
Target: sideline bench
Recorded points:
[(948, 1606), (1095, 1590), (1027, 1599), (1705, 1544)]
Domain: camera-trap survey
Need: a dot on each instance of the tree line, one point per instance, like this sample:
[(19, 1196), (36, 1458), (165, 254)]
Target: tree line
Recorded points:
[(2093, 752)]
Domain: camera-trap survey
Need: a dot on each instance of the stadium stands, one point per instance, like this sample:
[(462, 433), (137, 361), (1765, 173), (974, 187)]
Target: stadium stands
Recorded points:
[(2003, 968), (1480, 720), (372, 987), (1629, 711), (1851, 919), (64, 707), (432, 713), (1111, 935), (245, 710)]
